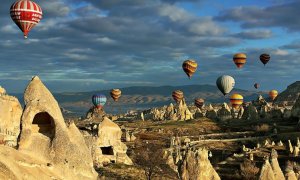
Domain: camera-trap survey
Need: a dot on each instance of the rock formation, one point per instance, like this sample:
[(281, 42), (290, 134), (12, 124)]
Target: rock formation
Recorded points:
[(267, 172), (211, 113), (10, 117), (2, 91), (47, 143), (170, 114), (289, 172), (108, 146), (224, 114), (296, 109), (250, 113), (199, 113), (196, 166), (287, 113), (95, 114), (278, 174), (237, 113), (183, 113)]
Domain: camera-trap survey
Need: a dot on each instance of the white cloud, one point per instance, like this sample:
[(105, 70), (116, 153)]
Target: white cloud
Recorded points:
[(106, 40), (280, 52), (10, 28)]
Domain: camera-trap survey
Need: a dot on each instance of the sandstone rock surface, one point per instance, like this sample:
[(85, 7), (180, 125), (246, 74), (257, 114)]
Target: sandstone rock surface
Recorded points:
[(10, 117), (46, 136), (197, 166)]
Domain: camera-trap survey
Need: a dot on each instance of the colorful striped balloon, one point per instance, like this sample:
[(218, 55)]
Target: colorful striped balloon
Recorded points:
[(236, 100), (239, 59), (99, 100), (115, 94), (26, 14), (199, 102), (189, 67), (273, 94), (265, 58), (177, 95), (225, 84)]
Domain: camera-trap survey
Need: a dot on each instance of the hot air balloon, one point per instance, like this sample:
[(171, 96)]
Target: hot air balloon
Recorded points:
[(99, 100), (115, 94), (236, 100), (177, 95), (189, 67), (239, 59), (225, 84), (26, 14), (273, 94), (256, 85), (265, 58), (199, 102)]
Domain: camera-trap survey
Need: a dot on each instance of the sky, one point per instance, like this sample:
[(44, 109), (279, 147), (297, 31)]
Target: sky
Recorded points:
[(84, 45)]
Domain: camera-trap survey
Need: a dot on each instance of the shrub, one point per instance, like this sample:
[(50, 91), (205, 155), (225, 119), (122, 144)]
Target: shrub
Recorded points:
[(248, 170), (262, 128)]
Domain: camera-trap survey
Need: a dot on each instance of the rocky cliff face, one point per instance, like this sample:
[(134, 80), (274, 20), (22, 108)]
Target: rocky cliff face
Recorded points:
[(196, 166), (10, 116), (291, 93), (296, 109)]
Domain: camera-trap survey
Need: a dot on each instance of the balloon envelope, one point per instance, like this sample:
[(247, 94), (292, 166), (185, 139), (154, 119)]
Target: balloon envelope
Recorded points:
[(99, 100), (199, 102), (236, 100), (26, 14), (256, 85), (189, 67), (177, 95), (273, 94), (225, 84), (239, 59), (115, 94), (265, 58)]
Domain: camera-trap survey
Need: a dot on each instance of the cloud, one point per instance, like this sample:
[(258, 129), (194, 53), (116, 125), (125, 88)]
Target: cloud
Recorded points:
[(254, 34), (55, 8), (123, 43), (279, 15)]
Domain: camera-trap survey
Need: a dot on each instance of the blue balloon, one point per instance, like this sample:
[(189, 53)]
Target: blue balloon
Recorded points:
[(99, 100)]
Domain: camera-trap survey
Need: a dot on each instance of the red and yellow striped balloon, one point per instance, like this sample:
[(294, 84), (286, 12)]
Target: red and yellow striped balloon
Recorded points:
[(236, 100), (273, 94), (239, 59), (26, 14), (199, 102), (177, 95), (115, 94), (189, 67)]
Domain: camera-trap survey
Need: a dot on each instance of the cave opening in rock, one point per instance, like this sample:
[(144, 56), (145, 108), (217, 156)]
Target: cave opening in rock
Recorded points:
[(107, 150), (43, 123)]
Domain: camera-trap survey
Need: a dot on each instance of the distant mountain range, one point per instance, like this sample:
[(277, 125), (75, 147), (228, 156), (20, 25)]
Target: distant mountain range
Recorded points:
[(143, 97)]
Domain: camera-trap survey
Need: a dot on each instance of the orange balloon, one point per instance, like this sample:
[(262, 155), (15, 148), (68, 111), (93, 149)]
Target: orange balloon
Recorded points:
[(189, 67), (115, 94), (273, 94), (239, 59), (177, 95), (199, 102)]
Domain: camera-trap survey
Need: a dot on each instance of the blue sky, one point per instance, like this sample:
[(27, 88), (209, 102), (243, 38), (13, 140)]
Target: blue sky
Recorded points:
[(83, 45)]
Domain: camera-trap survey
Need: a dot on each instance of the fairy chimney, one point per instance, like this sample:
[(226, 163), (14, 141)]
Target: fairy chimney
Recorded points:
[(109, 144), (196, 165), (45, 135)]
